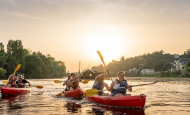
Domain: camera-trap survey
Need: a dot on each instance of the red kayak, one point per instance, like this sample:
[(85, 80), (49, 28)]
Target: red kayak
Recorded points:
[(77, 93), (14, 91), (125, 101)]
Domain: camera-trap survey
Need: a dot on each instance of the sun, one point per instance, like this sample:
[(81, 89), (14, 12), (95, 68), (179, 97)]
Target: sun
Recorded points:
[(109, 43)]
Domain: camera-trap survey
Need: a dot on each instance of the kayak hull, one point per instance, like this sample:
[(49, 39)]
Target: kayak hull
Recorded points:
[(137, 101), (77, 93), (14, 91)]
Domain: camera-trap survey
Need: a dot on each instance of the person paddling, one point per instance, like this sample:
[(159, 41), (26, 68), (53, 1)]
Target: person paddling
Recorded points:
[(120, 86), (73, 83), (21, 82), (99, 84), (65, 82), (11, 81)]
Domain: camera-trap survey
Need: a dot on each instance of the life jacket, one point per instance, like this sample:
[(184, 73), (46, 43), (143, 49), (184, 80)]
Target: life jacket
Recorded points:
[(99, 85), (122, 89), (13, 84), (74, 85), (21, 84)]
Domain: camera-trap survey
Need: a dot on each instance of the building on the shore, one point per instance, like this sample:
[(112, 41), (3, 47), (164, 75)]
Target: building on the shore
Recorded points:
[(147, 71), (173, 68), (89, 74), (180, 64)]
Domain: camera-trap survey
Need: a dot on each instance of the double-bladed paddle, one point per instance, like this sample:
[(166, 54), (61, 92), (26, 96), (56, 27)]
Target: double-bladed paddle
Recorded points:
[(59, 94), (91, 92), (102, 59), (59, 81), (17, 68)]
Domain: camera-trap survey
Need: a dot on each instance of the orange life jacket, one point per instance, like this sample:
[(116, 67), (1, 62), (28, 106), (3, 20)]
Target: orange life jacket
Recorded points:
[(74, 85)]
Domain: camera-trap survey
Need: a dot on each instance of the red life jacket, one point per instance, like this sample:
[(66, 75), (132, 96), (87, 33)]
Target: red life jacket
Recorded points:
[(13, 84), (74, 85), (21, 84)]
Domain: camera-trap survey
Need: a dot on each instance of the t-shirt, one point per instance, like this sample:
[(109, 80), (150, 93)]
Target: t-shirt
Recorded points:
[(23, 81)]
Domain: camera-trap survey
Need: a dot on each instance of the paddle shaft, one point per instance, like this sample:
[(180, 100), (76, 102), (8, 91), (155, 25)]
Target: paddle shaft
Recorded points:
[(73, 81), (102, 59), (143, 84)]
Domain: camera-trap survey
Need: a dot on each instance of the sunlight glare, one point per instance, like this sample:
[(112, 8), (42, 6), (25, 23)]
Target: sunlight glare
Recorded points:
[(109, 43)]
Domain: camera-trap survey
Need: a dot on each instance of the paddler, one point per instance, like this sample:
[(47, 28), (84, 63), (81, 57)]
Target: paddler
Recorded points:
[(120, 86), (73, 83), (21, 82), (99, 84), (65, 82), (11, 81)]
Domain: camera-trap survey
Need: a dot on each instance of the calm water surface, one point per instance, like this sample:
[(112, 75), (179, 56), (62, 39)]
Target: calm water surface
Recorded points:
[(170, 96)]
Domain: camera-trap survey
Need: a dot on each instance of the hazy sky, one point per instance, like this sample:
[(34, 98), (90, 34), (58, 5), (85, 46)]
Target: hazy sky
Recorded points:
[(72, 30)]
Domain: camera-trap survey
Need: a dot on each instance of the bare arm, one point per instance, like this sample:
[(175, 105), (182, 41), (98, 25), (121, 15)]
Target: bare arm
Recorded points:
[(29, 83), (79, 79), (65, 82), (111, 86), (129, 87), (107, 87)]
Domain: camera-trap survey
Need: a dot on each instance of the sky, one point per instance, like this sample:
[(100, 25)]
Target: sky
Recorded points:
[(73, 30)]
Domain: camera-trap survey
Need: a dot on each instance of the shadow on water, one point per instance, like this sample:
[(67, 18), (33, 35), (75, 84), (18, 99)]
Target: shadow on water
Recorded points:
[(102, 110), (72, 107), (12, 102)]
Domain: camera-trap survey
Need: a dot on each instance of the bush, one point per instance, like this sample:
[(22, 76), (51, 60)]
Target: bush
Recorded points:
[(162, 74), (187, 74), (168, 73), (132, 73)]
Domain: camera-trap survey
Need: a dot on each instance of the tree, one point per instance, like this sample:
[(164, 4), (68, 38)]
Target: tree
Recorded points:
[(15, 49), (33, 66), (11, 64), (59, 69), (2, 72), (122, 58), (2, 55)]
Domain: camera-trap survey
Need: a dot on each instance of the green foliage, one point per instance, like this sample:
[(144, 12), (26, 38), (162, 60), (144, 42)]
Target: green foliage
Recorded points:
[(187, 74), (188, 64), (15, 49), (175, 73), (187, 69), (2, 72), (157, 61), (162, 74), (168, 73), (132, 73), (59, 69), (33, 66), (11, 64), (99, 68), (150, 75)]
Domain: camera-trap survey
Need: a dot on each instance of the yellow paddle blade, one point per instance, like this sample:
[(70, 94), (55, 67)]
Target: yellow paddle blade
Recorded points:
[(101, 57), (91, 92), (57, 81), (4, 82), (59, 94), (85, 81), (17, 68), (39, 86)]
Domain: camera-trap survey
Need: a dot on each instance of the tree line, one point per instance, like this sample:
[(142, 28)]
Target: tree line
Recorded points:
[(158, 60), (33, 64)]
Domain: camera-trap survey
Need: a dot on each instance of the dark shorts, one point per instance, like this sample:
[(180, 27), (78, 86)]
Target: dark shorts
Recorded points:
[(113, 94), (100, 93)]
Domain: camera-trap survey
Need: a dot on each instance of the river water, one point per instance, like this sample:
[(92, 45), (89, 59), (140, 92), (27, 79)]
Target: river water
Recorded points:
[(169, 96)]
